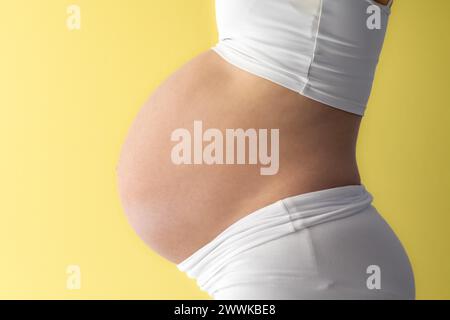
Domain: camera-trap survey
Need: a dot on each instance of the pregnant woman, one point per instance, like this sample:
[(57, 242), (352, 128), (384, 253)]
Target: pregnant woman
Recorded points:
[(300, 71)]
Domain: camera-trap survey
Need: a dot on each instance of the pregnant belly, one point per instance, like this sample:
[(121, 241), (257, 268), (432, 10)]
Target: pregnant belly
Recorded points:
[(179, 182)]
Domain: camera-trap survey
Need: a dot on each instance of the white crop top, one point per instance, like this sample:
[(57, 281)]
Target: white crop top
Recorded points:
[(326, 50)]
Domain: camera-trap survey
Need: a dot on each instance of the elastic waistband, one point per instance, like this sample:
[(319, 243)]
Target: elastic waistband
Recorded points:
[(320, 206), (272, 222)]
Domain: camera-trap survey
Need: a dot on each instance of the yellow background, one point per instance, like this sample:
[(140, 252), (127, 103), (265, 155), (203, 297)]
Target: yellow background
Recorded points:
[(67, 99)]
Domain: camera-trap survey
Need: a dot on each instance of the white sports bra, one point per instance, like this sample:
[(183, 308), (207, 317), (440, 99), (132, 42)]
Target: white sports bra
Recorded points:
[(326, 50)]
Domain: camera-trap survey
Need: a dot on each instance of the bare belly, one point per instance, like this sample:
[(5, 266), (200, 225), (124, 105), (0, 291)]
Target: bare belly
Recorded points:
[(175, 208)]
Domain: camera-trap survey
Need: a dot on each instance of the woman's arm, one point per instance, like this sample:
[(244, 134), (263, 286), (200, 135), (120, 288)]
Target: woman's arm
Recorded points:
[(384, 2)]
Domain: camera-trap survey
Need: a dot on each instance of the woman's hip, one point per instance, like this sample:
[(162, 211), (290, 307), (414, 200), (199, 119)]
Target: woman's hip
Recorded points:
[(330, 244)]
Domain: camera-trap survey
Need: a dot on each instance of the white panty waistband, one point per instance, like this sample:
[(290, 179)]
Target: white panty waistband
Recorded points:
[(271, 222)]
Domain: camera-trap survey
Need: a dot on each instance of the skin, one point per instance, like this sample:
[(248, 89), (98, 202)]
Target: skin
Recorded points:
[(383, 2), (178, 209)]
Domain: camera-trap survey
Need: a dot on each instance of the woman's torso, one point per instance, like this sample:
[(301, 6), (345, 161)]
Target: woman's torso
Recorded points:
[(177, 209)]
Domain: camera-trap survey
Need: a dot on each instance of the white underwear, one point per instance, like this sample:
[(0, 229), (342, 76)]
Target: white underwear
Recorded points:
[(326, 50), (328, 244)]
